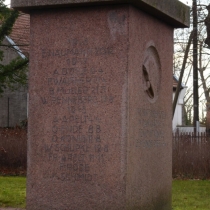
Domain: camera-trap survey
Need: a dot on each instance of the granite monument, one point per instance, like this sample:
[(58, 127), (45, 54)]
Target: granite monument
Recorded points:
[(100, 103)]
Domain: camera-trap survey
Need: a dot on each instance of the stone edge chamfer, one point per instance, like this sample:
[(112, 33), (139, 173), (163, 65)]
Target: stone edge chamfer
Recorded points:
[(172, 12)]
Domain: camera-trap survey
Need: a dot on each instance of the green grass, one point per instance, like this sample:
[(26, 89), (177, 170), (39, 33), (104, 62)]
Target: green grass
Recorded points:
[(12, 192), (191, 194), (187, 194)]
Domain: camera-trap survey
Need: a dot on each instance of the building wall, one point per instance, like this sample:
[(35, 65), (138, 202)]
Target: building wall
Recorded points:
[(13, 105), (177, 119)]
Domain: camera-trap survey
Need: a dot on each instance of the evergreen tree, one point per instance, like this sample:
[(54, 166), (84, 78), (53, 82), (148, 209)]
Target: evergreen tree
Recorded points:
[(14, 74)]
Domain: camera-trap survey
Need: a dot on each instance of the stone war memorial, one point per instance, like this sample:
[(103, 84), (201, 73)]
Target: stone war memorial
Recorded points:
[(100, 103)]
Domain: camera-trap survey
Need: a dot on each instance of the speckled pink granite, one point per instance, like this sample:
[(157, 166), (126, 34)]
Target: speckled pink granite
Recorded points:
[(100, 92)]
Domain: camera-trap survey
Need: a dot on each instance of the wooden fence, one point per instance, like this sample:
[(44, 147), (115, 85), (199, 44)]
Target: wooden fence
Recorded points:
[(191, 155), (13, 151)]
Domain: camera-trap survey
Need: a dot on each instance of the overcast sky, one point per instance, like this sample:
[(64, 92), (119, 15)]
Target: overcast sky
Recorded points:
[(7, 2), (187, 2)]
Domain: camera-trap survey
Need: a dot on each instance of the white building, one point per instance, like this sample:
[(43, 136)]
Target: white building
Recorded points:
[(178, 115), (178, 122)]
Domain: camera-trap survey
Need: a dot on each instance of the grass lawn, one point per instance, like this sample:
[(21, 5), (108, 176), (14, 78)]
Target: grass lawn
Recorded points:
[(12, 192), (191, 194), (187, 194)]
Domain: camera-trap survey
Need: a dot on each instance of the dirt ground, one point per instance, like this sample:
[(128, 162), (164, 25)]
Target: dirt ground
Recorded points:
[(10, 209)]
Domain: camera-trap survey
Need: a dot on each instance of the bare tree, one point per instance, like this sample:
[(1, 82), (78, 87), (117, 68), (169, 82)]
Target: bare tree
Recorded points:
[(182, 39)]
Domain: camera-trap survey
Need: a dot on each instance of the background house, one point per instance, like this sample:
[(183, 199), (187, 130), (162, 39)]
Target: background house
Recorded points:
[(178, 119), (13, 105)]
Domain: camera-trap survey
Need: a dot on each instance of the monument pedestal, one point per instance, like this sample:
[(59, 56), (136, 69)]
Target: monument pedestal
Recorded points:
[(100, 107)]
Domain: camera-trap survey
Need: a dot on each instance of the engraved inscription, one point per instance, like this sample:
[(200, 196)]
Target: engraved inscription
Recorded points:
[(151, 131), (77, 82), (77, 145)]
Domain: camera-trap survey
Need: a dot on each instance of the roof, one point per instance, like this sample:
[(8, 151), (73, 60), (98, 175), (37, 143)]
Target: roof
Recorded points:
[(21, 33), (175, 83)]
